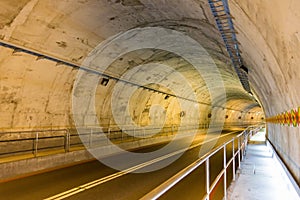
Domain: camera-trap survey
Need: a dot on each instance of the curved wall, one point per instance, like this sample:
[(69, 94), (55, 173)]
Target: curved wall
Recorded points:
[(270, 42)]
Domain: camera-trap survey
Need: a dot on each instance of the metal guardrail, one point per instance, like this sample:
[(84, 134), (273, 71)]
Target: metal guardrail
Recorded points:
[(63, 140), (242, 139), (25, 142), (38, 141)]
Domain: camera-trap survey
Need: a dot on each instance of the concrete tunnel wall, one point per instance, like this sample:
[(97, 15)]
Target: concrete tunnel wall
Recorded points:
[(269, 34), (36, 93)]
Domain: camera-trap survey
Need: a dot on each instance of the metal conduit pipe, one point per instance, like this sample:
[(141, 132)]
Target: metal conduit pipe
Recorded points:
[(42, 55)]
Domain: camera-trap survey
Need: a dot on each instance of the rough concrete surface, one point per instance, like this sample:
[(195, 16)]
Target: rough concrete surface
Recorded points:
[(37, 93)]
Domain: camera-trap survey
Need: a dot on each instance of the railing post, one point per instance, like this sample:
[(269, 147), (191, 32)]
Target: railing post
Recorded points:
[(242, 150), (243, 146), (35, 151), (225, 173), (108, 134), (207, 178), (246, 142), (67, 141), (233, 161), (91, 138), (239, 153)]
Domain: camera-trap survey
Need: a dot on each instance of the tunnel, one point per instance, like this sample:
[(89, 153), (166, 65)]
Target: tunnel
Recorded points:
[(86, 79)]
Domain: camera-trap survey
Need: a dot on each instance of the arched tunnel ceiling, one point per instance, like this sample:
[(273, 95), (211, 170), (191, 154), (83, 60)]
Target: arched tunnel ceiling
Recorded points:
[(71, 30)]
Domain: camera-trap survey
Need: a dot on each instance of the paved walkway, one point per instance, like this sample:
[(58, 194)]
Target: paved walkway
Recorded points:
[(261, 176)]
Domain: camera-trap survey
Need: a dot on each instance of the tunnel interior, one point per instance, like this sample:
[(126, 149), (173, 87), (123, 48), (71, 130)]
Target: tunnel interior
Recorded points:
[(147, 87)]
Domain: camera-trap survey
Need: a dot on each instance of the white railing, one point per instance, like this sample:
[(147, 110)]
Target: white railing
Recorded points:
[(43, 142), (238, 153), (34, 142)]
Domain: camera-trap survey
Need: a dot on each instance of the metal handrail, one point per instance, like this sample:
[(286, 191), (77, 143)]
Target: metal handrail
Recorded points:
[(240, 153), (32, 141), (35, 141)]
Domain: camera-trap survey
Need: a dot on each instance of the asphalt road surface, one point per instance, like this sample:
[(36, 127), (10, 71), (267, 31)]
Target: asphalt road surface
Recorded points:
[(93, 180)]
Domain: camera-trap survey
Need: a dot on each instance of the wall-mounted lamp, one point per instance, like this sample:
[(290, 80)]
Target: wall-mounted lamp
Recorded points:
[(182, 114), (104, 81)]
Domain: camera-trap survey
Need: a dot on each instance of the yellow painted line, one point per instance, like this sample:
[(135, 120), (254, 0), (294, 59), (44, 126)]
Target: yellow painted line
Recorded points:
[(100, 181)]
